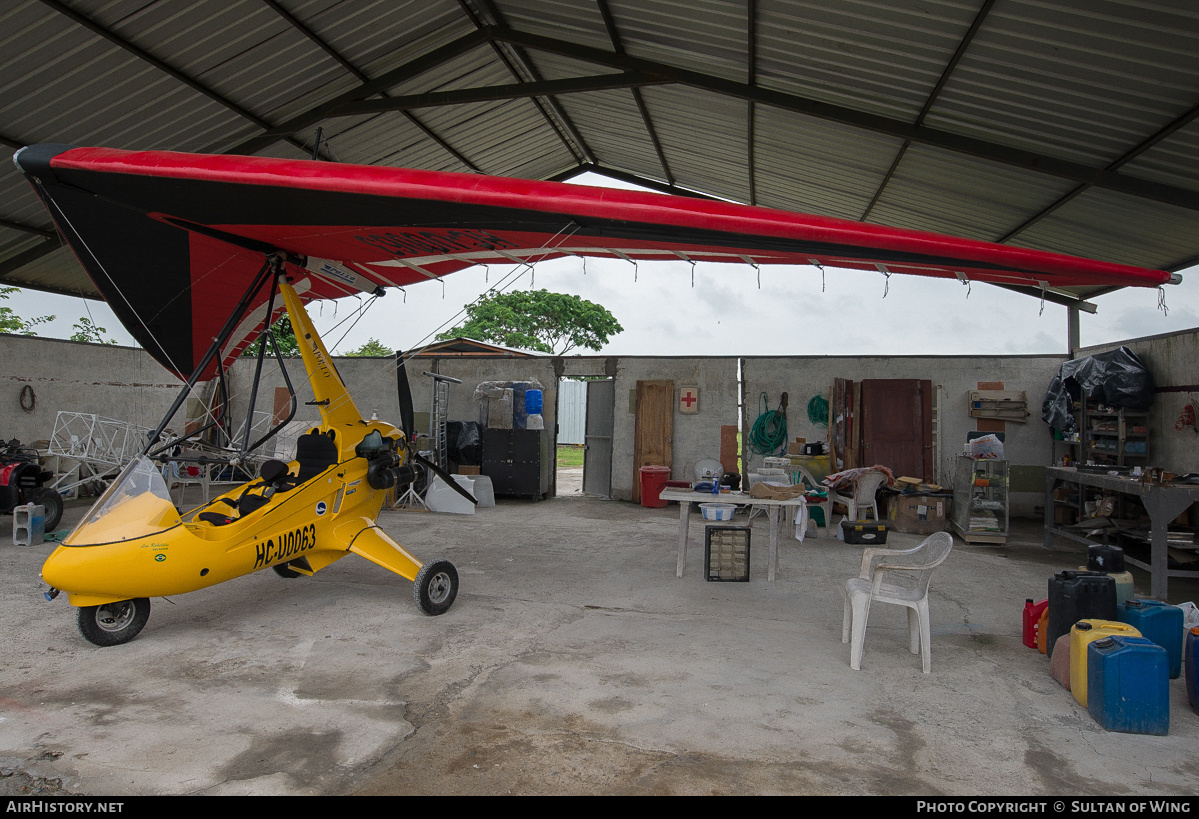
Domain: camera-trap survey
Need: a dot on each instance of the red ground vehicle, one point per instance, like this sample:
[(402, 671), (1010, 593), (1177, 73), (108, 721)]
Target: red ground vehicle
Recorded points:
[(22, 480)]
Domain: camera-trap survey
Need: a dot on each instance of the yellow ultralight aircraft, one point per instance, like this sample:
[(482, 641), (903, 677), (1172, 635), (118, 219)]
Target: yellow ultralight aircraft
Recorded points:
[(295, 518)]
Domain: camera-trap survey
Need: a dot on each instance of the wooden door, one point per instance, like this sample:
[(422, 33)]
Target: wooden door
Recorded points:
[(897, 426), (654, 429)]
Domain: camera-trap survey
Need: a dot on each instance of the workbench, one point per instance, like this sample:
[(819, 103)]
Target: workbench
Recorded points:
[(1162, 503), (686, 497)]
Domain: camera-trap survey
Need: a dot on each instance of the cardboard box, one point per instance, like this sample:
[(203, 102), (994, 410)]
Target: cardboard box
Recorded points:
[(919, 514), (1064, 515)]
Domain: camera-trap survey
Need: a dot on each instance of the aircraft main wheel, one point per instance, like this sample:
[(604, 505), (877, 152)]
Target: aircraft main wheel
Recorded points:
[(283, 570), (114, 623), (435, 587)]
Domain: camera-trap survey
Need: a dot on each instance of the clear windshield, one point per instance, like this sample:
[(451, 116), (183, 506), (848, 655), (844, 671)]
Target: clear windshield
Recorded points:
[(137, 504)]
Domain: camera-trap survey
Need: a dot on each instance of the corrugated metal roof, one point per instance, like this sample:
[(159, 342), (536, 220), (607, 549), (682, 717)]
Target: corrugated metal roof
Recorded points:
[(1067, 125)]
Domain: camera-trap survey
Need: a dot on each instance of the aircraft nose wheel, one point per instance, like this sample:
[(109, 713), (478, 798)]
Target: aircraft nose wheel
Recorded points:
[(113, 623), (435, 587)]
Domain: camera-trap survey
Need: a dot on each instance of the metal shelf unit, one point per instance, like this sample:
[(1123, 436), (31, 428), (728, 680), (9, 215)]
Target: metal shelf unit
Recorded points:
[(980, 500)]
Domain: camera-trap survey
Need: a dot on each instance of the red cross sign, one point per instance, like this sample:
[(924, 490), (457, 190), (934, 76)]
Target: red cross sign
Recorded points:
[(689, 400)]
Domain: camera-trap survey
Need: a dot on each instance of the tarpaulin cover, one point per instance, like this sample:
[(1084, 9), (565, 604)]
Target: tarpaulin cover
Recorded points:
[(172, 240), (1116, 378), (464, 442)]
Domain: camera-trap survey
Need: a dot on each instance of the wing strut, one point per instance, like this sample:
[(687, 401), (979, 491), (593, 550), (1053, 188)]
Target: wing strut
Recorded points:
[(270, 271)]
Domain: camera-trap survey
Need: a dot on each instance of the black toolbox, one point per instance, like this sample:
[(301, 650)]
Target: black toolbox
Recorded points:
[(868, 532)]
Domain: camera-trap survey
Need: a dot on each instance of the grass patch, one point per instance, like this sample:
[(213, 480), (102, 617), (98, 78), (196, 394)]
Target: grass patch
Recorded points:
[(570, 455)]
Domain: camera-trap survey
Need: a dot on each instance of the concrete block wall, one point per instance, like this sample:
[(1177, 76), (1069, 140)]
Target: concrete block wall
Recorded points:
[(696, 437), (128, 385), (473, 372), (122, 383), (1173, 358), (371, 381), (805, 376)]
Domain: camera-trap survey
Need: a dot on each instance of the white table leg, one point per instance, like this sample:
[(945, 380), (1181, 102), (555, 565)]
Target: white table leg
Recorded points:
[(684, 518), (772, 512)]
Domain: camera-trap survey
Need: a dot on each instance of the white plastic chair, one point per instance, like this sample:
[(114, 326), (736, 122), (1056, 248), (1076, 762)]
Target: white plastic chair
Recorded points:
[(898, 576), (863, 496)]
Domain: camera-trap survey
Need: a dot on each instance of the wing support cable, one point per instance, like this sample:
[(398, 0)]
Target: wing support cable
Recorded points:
[(507, 280)]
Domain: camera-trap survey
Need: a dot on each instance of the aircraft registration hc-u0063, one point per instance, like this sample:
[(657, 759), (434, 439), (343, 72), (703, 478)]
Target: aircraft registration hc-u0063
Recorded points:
[(184, 249)]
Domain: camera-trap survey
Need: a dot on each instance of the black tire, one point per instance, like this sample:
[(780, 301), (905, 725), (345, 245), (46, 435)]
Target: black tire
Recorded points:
[(52, 502), (283, 570), (114, 623), (435, 587)]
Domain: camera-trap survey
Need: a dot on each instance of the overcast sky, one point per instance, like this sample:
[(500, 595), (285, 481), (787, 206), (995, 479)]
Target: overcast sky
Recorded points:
[(795, 311)]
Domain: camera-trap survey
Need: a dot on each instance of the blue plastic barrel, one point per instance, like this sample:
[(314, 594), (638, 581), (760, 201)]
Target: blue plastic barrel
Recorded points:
[(1158, 622), (533, 402), (1128, 685)]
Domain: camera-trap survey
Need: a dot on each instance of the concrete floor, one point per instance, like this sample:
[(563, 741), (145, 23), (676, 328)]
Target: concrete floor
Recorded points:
[(574, 662)]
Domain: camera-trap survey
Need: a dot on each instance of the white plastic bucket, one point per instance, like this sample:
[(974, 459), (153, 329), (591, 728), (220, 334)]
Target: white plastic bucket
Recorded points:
[(717, 511)]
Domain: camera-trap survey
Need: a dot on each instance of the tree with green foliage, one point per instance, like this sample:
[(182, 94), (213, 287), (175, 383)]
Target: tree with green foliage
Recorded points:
[(87, 331), (373, 347), (537, 320), (285, 337), (10, 322)]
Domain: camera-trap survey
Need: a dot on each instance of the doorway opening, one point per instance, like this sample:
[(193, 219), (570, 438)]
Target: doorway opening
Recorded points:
[(584, 449)]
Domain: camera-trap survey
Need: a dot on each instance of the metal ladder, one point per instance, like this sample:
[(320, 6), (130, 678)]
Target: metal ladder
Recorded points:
[(439, 401)]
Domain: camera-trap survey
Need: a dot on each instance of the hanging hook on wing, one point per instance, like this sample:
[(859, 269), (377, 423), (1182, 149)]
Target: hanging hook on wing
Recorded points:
[(690, 261), (630, 260), (749, 261), (822, 273), (882, 268), (964, 279)]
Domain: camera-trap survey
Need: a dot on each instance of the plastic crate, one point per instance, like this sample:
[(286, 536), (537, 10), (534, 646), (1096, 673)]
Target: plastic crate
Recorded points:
[(726, 554)]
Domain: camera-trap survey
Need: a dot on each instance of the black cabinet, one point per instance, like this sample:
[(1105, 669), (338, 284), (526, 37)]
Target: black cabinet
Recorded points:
[(518, 461)]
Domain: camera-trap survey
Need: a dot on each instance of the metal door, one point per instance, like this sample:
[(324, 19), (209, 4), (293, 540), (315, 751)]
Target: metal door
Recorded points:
[(897, 426), (597, 452)]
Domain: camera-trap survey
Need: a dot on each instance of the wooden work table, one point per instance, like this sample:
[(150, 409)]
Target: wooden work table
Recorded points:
[(686, 497), (1162, 503)]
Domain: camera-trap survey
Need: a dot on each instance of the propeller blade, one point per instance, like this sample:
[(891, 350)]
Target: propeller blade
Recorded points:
[(404, 393)]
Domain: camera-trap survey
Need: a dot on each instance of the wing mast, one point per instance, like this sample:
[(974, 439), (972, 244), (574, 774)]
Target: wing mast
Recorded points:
[(337, 407)]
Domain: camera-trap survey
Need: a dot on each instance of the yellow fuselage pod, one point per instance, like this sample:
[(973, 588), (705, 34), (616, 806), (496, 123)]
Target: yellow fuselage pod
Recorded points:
[(321, 520)]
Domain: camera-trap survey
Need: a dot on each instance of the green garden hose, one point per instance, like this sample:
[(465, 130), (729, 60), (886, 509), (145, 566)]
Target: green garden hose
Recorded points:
[(818, 411), (769, 432)]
